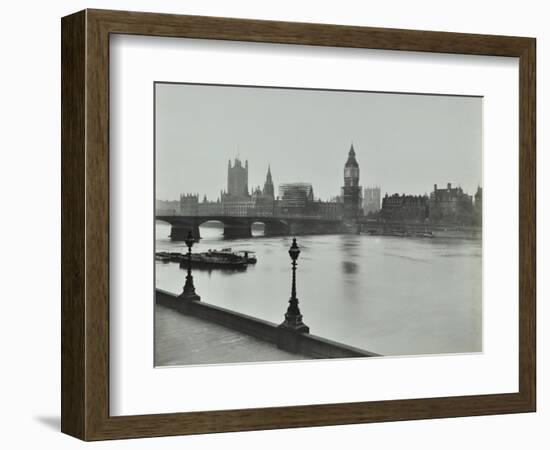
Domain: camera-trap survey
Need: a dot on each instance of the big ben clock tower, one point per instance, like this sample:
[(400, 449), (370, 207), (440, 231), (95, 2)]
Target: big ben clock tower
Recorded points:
[(351, 191)]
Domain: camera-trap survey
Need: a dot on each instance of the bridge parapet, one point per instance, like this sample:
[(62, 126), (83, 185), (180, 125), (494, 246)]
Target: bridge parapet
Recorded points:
[(241, 226), (257, 217)]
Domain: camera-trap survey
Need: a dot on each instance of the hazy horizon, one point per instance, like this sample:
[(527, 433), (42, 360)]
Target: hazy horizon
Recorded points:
[(404, 143)]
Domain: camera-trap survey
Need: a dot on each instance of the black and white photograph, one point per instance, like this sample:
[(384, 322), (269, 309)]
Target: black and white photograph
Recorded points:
[(275, 225), (300, 224)]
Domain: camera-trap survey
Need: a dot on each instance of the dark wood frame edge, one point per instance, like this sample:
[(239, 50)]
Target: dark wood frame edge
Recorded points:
[(85, 224)]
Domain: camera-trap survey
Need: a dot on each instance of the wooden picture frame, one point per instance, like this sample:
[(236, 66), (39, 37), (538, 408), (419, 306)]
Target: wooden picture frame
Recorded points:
[(85, 224)]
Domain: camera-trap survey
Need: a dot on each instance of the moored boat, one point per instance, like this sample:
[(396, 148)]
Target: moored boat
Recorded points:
[(162, 256), (225, 257), (249, 255), (214, 258)]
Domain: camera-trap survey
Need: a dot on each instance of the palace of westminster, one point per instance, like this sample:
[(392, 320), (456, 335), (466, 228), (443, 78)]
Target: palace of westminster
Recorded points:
[(443, 205)]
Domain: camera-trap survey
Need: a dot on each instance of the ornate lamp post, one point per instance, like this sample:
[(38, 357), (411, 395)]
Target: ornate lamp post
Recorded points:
[(293, 316), (189, 288)]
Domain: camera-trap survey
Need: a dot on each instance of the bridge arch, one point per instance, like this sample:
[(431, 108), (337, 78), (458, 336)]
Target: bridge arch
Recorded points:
[(211, 228), (257, 228), (162, 229), (276, 227), (162, 220)]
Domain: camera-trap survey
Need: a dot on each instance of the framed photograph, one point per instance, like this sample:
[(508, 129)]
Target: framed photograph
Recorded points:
[(272, 224)]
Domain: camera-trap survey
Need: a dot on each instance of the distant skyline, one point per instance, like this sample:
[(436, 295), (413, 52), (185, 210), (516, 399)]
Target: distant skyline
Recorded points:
[(405, 143)]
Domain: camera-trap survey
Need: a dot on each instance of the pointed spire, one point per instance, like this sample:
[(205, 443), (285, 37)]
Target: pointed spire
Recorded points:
[(268, 185), (351, 162)]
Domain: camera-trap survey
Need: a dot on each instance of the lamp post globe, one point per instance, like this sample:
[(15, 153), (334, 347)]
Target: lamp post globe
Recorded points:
[(294, 250), (189, 240)]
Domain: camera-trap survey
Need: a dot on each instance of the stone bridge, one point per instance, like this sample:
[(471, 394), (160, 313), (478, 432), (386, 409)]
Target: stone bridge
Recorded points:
[(241, 226)]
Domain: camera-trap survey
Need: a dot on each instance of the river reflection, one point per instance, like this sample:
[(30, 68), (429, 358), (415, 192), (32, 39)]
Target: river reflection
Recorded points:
[(390, 295)]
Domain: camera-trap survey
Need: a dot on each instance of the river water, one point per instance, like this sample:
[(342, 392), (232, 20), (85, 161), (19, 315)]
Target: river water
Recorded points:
[(389, 295)]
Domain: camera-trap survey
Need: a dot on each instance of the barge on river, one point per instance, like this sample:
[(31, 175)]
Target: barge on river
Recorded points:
[(224, 258)]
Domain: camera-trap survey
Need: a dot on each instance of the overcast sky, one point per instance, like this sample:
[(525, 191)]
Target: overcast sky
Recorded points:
[(404, 143)]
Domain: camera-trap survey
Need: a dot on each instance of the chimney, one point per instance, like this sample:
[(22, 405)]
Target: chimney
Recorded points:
[(435, 187), (449, 186)]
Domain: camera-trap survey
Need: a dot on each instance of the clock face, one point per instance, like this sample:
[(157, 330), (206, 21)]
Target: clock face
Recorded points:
[(351, 172)]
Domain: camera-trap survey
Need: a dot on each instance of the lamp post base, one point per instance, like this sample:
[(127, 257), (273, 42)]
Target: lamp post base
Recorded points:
[(187, 300), (189, 293), (189, 296), (289, 332), (294, 323)]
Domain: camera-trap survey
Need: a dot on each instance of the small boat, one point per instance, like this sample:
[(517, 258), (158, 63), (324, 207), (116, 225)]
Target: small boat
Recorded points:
[(175, 256), (225, 257), (214, 258), (162, 256), (250, 256)]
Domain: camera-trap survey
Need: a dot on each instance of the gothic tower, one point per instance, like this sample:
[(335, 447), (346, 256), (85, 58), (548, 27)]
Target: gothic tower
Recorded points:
[(351, 190), (237, 179), (268, 185)]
